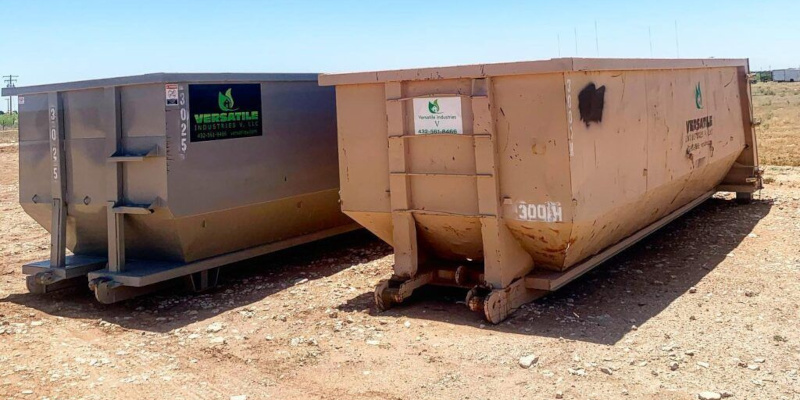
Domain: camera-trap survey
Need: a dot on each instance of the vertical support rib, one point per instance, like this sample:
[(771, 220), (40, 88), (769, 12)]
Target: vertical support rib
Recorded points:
[(116, 238), (485, 155), (58, 231), (406, 251), (114, 192), (744, 175), (750, 154), (504, 259)]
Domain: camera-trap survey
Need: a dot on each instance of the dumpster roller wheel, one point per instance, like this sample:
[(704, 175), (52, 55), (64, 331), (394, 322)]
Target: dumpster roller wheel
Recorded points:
[(390, 292), (498, 304), (384, 296), (496, 307), (476, 297), (108, 291), (46, 282)]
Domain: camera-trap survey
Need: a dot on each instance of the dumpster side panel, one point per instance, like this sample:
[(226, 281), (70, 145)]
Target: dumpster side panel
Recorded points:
[(142, 113), (34, 159), (534, 168), (143, 129), (363, 140), (270, 187), (451, 237), (609, 160), (363, 156), (665, 138), (84, 148), (294, 154), (224, 231)]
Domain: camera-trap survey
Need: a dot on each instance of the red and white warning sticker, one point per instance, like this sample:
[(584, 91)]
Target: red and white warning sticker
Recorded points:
[(171, 94)]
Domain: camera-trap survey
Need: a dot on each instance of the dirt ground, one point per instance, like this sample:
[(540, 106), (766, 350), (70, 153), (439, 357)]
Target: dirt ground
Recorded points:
[(709, 303)]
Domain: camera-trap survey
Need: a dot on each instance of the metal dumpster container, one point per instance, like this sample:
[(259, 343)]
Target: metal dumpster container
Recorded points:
[(513, 179), (153, 177)]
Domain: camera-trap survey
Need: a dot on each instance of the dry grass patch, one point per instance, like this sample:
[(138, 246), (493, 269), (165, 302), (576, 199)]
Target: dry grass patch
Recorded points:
[(8, 136), (777, 106)]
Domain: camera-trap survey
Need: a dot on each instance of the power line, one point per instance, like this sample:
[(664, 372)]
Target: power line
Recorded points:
[(596, 40), (576, 41), (558, 37), (10, 81)]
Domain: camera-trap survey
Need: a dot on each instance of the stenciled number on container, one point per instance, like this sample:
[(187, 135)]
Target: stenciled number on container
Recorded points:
[(545, 212), (184, 120), (54, 142)]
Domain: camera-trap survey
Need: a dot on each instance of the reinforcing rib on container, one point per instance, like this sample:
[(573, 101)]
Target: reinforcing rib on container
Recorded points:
[(513, 179), (154, 177)]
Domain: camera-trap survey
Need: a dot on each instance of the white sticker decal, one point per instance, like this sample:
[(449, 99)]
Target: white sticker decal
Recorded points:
[(438, 115), (544, 212), (171, 93), (21, 100)]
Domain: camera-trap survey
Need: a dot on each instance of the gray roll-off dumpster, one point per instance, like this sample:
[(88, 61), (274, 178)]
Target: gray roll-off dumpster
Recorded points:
[(154, 177), (513, 179)]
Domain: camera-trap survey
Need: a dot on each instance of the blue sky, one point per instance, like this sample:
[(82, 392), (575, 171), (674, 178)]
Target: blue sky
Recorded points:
[(56, 41)]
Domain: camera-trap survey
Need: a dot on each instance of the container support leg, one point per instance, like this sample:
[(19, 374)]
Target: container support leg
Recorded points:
[(116, 238), (504, 259), (406, 257), (203, 280)]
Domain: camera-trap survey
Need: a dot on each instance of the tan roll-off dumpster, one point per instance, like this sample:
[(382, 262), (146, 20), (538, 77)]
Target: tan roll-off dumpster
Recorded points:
[(513, 179)]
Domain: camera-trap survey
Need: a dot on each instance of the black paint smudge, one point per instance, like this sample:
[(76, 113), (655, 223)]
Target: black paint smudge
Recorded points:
[(590, 103)]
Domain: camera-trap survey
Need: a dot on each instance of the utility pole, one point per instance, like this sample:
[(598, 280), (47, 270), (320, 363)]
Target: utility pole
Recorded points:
[(10, 81)]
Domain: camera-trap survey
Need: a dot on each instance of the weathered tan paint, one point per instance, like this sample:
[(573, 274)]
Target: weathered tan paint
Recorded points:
[(452, 198)]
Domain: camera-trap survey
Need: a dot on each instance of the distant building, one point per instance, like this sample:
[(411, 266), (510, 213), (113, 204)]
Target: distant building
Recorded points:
[(786, 75)]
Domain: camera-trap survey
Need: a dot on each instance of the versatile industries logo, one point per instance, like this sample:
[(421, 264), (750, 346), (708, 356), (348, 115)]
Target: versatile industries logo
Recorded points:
[(699, 130), (433, 107), (226, 101), (216, 115), (698, 97)]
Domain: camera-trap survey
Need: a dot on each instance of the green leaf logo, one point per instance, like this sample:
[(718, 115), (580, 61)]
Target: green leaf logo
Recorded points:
[(698, 97), (433, 106), (226, 101)]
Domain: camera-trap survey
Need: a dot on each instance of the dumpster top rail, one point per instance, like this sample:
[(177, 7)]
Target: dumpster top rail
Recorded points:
[(553, 65), (161, 77)]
